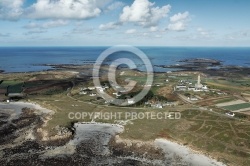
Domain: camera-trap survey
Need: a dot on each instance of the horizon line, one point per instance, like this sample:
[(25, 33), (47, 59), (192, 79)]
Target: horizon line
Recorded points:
[(132, 45)]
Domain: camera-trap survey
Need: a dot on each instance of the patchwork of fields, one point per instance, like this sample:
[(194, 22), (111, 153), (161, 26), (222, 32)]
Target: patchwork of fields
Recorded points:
[(235, 106)]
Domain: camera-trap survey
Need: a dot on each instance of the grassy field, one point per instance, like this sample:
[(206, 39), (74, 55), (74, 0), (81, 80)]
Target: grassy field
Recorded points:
[(226, 139), (10, 83), (227, 99), (234, 86), (222, 137), (14, 86), (237, 106)]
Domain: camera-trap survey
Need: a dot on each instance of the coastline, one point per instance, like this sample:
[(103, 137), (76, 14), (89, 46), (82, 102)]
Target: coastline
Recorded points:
[(195, 158), (181, 65), (85, 130), (82, 72)]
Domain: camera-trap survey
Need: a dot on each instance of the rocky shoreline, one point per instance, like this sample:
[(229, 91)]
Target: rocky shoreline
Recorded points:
[(209, 66), (24, 141)]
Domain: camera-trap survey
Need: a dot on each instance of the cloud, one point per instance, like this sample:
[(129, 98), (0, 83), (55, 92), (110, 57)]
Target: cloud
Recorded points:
[(179, 17), (53, 24), (109, 26), (158, 36), (239, 35), (53, 9), (35, 32), (66, 9), (80, 27), (115, 5), (4, 35), (32, 25), (177, 26), (46, 25), (142, 35), (200, 34), (143, 12), (204, 33), (11, 9), (178, 22), (153, 29), (82, 30), (131, 31)]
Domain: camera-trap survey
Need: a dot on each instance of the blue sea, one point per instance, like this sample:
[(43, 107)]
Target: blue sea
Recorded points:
[(26, 59)]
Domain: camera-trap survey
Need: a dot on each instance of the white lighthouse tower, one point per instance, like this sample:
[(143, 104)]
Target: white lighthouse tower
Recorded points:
[(199, 79), (198, 86)]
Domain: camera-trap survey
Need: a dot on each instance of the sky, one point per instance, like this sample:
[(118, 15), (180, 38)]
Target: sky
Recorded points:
[(125, 22)]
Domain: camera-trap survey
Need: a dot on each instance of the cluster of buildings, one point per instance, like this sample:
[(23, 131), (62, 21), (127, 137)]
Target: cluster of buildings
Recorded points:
[(161, 104), (188, 86), (89, 90)]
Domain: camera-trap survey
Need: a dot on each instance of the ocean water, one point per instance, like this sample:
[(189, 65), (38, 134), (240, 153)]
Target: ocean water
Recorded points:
[(25, 59)]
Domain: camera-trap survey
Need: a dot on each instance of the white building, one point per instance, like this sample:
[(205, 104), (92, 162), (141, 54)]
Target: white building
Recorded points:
[(82, 89), (181, 88), (198, 85), (158, 106), (91, 87), (230, 114), (131, 101), (191, 88), (92, 94), (193, 98), (117, 94), (82, 93)]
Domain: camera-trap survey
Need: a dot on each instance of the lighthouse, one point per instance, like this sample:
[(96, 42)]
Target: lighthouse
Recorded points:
[(198, 86), (199, 79)]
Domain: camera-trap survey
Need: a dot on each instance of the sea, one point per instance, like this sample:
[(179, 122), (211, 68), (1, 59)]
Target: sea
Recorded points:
[(27, 59)]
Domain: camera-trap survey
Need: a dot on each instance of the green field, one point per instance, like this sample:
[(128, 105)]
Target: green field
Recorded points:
[(14, 86), (9, 83), (229, 85), (228, 99), (202, 130), (224, 138), (237, 106)]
